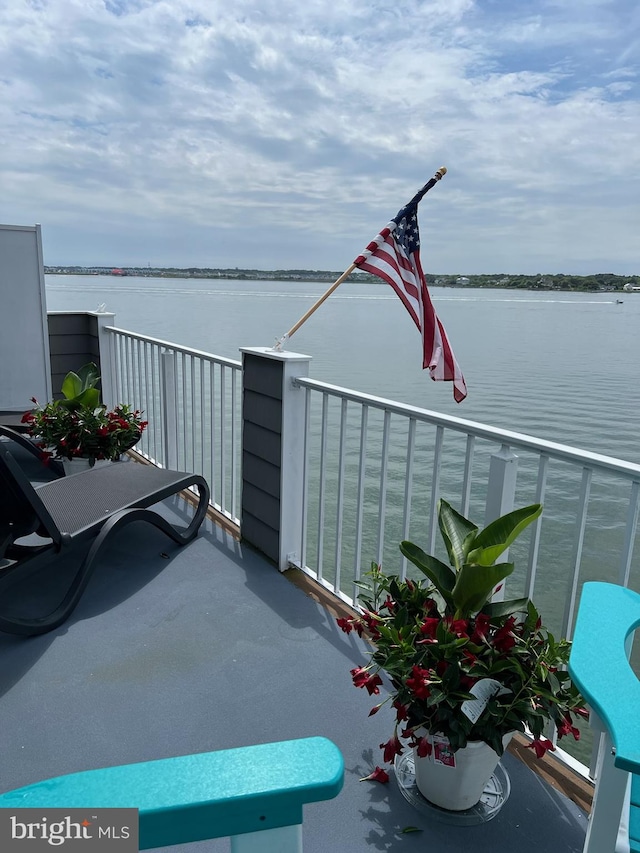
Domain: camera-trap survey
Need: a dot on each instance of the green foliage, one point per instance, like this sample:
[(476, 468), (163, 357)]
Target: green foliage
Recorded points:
[(441, 640), (78, 425)]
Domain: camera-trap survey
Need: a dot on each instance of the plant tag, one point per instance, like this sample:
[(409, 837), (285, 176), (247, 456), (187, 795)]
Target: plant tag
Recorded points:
[(442, 753), (483, 690)]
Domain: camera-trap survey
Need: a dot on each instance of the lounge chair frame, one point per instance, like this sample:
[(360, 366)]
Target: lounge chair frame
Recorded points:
[(91, 505)]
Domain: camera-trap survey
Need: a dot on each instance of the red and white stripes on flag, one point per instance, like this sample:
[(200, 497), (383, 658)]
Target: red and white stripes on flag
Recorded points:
[(394, 256)]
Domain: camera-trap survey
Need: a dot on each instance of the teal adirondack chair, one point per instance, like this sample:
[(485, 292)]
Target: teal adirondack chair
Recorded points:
[(599, 665), (253, 794)]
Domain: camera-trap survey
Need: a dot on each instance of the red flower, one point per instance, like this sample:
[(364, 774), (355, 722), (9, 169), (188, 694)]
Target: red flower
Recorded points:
[(483, 624), (345, 624), (391, 748), (458, 627), (375, 710), (541, 746), (503, 639), (378, 775), (430, 626), (423, 747), (566, 727), (441, 667), (361, 678), (582, 712), (401, 711), (27, 418), (369, 620), (419, 682)]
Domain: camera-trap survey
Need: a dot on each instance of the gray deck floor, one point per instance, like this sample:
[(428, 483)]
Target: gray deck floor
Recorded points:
[(177, 650)]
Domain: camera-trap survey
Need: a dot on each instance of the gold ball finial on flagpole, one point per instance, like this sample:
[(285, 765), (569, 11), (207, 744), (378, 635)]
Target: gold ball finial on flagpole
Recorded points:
[(442, 171)]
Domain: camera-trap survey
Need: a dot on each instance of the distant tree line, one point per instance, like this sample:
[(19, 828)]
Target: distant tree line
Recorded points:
[(540, 281)]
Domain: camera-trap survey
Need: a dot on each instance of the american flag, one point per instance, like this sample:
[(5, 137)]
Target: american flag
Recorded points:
[(394, 256)]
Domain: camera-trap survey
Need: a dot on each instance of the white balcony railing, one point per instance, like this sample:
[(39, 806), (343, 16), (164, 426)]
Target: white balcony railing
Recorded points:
[(192, 401), (374, 470)]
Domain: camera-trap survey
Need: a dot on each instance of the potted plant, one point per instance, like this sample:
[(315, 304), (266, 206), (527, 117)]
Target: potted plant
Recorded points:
[(79, 427), (466, 673)]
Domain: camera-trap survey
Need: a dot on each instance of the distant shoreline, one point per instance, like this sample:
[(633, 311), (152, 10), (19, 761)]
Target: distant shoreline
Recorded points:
[(598, 283)]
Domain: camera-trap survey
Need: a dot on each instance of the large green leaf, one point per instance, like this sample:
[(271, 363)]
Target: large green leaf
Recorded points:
[(506, 608), (474, 586), (441, 576), (500, 534), (79, 389), (457, 531)]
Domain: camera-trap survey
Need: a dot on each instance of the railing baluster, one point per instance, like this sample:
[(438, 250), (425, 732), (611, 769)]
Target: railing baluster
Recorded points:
[(340, 498), (223, 438), (534, 547), (357, 557), (321, 490), (468, 474), (234, 441), (382, 502), (305, 478), (408, 489), (214, 409), (435, 489), (629, 534), (581, 523)]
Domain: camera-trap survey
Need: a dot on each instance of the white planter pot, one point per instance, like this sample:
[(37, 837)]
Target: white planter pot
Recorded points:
[(455, 781), (74, 466), (82, 463)]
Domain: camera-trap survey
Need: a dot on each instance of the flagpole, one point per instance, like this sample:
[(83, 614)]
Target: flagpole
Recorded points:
[(278, 345), (314, 307)]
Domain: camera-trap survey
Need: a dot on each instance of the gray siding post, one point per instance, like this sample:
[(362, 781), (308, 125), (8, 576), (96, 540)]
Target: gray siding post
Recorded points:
[(273, 428), (169, 397)]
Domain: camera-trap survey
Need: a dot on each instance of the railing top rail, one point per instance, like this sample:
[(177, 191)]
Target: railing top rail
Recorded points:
[(513, 439), (230, 362)]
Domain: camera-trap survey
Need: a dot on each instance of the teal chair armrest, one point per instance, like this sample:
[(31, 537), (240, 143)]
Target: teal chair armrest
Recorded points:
[(599, 665), (208, 795)]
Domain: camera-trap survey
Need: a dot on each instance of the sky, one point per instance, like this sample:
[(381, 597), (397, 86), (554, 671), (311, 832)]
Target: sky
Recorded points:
[(273, 134)]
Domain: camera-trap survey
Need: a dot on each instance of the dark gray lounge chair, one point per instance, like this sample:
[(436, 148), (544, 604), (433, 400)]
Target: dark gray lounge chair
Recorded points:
[(26, 443), (40, 524)]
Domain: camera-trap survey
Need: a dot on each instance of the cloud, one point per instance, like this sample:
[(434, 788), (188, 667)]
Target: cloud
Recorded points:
[(269, 133)]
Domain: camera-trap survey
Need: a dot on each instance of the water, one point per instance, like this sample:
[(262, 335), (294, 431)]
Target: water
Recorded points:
[(561, 366)]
